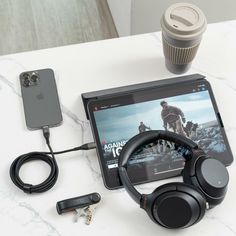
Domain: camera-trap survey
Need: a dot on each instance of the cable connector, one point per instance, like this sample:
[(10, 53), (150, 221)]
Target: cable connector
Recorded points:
[(27, 188), (86, 146), (46, 133)]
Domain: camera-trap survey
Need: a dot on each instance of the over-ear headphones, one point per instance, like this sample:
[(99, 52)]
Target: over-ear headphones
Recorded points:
[(178, 205)]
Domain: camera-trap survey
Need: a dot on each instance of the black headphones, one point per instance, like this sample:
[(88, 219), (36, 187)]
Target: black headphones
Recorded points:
[(178, 205)]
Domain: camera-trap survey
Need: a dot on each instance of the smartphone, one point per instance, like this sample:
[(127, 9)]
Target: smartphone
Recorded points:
[(40, 99)]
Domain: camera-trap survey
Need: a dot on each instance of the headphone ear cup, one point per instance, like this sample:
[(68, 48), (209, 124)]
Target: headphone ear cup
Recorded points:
[(209, 175), (176, 205)]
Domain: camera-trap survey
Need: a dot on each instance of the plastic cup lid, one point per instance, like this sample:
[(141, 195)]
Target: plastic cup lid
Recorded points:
[(184, 21)]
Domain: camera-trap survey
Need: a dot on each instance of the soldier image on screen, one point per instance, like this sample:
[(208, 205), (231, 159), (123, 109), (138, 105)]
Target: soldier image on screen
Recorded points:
[(142, 127), (172, 117)]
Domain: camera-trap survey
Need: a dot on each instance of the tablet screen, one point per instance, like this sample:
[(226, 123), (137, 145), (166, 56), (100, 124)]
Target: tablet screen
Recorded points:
[(188, 111)]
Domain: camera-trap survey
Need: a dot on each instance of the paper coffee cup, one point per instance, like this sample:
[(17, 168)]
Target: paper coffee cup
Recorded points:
[(182, 27)]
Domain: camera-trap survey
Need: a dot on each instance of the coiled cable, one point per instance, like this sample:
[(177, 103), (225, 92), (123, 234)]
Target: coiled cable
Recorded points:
[(49, 158)]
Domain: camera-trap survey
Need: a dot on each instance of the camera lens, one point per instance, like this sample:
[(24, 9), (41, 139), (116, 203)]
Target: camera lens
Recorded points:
[(26, 75), (26, 82), (34, 77)]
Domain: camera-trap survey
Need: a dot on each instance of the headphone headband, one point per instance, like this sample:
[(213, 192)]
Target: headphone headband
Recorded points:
[(142, 139)]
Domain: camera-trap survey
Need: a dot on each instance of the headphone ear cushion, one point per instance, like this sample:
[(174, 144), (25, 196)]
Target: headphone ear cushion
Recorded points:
[(210, 176), (177, 205)]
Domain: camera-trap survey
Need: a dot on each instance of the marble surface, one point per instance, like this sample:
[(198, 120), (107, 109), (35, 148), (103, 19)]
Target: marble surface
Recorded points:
[(93, 66)]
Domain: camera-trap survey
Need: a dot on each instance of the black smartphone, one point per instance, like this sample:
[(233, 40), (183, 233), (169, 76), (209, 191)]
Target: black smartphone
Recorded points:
[(40, 99)]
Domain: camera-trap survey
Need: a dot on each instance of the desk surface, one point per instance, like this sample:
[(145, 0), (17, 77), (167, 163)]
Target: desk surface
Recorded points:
[(87, 67)]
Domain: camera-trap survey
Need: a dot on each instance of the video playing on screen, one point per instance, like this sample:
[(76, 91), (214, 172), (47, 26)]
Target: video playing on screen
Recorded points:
[(191, 115)]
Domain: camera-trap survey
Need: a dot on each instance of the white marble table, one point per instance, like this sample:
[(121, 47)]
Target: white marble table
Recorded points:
[(87, 67)]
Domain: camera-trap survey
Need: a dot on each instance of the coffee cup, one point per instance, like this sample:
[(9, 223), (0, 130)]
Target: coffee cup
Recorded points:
[(183, 25)]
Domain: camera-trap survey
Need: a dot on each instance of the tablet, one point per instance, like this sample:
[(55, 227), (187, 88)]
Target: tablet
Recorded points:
[(184, 105)]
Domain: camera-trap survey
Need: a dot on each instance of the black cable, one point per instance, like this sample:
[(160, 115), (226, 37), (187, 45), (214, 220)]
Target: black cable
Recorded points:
[(49, 158)]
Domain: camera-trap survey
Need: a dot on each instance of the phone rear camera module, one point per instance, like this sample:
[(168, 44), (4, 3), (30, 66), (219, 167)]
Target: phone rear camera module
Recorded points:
[(30, 79)]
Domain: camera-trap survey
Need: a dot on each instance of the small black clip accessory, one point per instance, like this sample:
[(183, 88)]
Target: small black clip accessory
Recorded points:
[(82, 205)]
